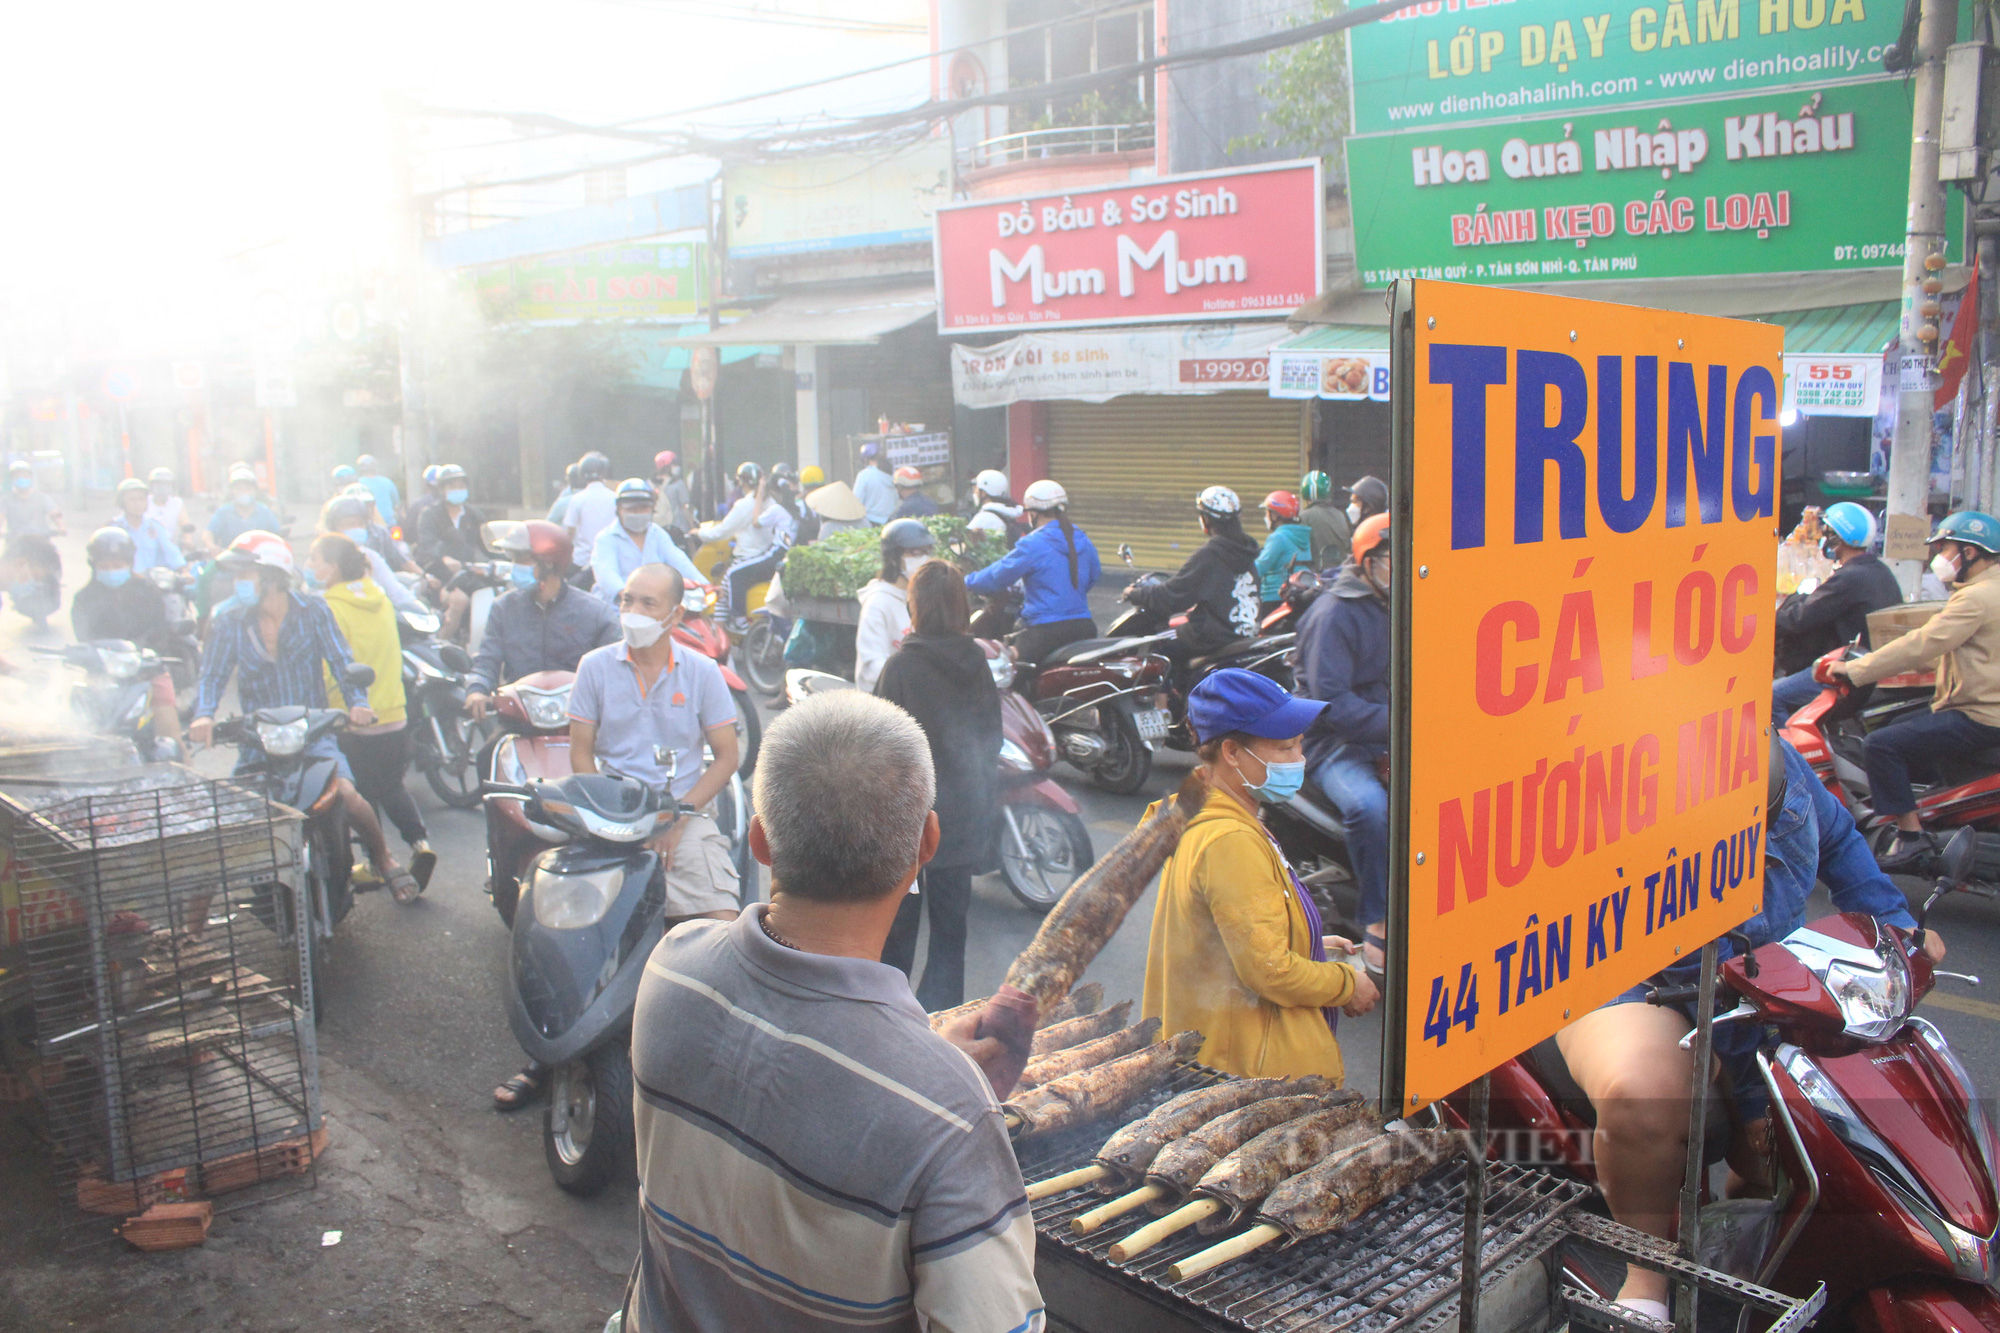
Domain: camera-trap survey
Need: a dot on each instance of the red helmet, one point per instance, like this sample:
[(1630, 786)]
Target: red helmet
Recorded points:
[(664, 459), (259, 548), (909, 476), (536, 541), (1283, 505)]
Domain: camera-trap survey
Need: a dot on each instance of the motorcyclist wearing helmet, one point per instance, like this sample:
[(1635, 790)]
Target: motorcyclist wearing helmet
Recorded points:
[(872, 485), (994, 510), (448, 540), (1331, 532), (343, 476), (1627, 1057), (153, 546), (1217, 586), (244, 512), (593, 508), (348, 516), (1287, 549), (572, 483), (424, 499), (1366, 498), (635, 540), (1055, 566), (834, 508), (911, 502), (30, 510), (1342, 660), (166, 508), (280, 646), (542, 623), (885, 599), (1964, 640), (1836, 612), (762, 530), (116, 605), (388, 497), (676, 501)]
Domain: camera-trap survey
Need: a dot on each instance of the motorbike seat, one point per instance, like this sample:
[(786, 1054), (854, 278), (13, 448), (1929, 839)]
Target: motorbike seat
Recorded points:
[(1070, 651), (1961, 769), (1220, 657)]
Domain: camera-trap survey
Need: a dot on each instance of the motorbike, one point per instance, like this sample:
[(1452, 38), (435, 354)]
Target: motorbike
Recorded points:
[(1831, 734), (533, 714), (309, 784), (1301, 590), (589, 915), (762, 651), (1884, 1153), (701, 629), (179, 648), (115, 695), (1044, 842), (444, 740)]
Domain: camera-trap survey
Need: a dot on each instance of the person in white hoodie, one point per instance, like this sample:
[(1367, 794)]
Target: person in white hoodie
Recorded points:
[(885, 601), (762, 530)]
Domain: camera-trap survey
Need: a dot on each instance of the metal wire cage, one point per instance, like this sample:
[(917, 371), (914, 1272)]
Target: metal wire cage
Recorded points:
[(162, 923)]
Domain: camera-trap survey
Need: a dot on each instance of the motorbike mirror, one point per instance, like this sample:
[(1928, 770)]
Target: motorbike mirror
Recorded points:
[(1125, 552), (1960, 854), (665, 758), (359, 674)]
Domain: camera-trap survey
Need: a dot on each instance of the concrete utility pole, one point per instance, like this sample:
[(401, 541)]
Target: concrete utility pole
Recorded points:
[(1910, 454), (408, 258)]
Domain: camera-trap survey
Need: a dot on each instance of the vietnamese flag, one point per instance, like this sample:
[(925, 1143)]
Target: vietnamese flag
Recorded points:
[(1956, 354)]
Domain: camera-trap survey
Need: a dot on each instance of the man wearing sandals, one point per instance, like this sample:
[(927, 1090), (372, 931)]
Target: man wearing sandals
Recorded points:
[(642, 709)]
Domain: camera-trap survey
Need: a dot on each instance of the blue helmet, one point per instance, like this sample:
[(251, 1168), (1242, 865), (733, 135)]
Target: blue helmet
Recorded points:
[(344, 473), (1851, 523), (1972, 528)]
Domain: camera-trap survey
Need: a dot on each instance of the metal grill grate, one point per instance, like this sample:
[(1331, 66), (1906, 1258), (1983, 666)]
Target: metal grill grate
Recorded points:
[(1396, 1267), (158, 913)]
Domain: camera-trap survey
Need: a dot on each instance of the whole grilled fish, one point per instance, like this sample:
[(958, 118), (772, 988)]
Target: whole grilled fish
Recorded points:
[(1083, 1000), (1055, 1037), (1348, 1184), (1241, 1180), (1132, 1149), (1181, 1164), (1091, 1093), (1090, 1053)]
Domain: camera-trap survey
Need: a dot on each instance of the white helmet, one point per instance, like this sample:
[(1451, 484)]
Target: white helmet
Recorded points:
[(1044, 496), (1218, 500), (991, 484)]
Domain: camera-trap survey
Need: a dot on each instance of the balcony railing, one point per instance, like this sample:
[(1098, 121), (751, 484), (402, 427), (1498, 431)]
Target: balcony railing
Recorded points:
[(1063, 141)]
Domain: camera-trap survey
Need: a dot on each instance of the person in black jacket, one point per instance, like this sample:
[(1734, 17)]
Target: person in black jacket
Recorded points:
[(117, 604), (1217, 586), (1835, 612), (939, 675), (447, 540)]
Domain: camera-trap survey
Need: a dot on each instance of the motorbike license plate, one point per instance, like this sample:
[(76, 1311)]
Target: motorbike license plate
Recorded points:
[(1152, 723)]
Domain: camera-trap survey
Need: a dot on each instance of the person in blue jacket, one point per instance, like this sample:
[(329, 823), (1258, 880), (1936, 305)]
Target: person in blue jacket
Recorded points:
[(1056, 565), (1343, 661), (1288, 548)]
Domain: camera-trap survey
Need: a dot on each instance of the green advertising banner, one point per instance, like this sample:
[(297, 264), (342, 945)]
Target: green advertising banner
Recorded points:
[(616, 282), (1776, 183), (1452, 62)]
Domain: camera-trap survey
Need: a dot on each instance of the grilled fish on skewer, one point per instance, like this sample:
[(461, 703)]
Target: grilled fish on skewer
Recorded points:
[(1126, 1154), (1090, 1093), (1334, 1193), (1090, 1054), (1083, 1000), (1075, 1031)]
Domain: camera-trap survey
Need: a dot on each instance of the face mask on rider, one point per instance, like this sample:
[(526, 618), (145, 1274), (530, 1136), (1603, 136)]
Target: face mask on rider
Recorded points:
[(358, 536), (635, 521), (912, 563), (243, 498), (523, 576), (23, 483), (1281, 783), (641, 630), (1945, 569), (112, 578), (457, 496), (1353, 514)]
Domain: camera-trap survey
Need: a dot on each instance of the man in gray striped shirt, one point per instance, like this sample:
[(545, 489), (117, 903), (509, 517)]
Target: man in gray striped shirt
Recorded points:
[(811, 1155)]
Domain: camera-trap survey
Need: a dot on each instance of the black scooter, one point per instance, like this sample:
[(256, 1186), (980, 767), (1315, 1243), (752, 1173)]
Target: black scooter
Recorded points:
[(115, 697), (310, 785), (589, 913), (444, 740)]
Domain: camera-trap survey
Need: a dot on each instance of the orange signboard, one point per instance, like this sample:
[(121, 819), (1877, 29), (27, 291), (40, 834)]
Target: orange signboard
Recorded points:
[(1585, 539)]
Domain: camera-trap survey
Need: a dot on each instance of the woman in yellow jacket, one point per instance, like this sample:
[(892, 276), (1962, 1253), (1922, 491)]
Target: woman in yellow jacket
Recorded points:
[(1237, 951), (380, 754)]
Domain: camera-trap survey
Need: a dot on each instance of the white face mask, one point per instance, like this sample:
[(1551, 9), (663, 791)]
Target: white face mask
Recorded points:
[(1946, 571), (911, 563), (1353, 514), (641, 631)]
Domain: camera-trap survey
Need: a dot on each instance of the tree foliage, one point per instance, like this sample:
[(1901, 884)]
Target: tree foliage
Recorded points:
[(1306, 86)]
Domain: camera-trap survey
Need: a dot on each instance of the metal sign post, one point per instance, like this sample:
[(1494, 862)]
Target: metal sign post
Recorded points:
[(1690, 1207), (1475, 1206)]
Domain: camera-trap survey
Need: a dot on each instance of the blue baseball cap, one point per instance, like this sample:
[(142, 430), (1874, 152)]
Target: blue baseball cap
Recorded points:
[(1237, 700)]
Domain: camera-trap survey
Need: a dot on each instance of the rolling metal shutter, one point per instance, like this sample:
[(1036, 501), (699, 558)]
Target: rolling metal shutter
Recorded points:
[(1134, 465)]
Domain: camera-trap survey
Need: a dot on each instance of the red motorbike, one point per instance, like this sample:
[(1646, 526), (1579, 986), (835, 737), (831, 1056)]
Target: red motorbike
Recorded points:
[(1831, 734), (1884, 1155), (534, 744), (700, 630)]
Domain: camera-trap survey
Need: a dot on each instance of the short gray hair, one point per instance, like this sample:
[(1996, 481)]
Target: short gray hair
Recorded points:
[(843, 784)]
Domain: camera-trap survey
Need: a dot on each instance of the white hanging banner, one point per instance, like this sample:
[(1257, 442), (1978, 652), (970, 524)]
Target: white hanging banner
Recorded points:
[(1833, 386), (1096, 367), (1324, 374)]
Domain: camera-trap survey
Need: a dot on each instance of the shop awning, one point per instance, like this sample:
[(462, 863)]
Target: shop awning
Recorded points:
[(1860, 330), (1338, 338), (851, 315)]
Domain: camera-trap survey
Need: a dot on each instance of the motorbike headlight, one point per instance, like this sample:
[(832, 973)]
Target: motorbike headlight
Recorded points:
[(1873, 1002), (119, 665), (572, 902), (1003, 670), (1014, 757), (163, 578), (546, 711), (280, 739), (694, 599)]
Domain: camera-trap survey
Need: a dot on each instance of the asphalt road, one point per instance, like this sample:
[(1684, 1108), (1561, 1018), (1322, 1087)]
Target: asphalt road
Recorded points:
[(447, 1214)]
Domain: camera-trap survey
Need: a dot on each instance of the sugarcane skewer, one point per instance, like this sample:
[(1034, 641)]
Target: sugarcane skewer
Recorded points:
[(1085, 1223), (1146, 1237), (1234, 1248), (1068, 1180)]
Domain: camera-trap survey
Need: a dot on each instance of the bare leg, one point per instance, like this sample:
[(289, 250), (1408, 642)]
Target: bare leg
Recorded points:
[(457, 605), (1627, 1059), (362, 816)]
